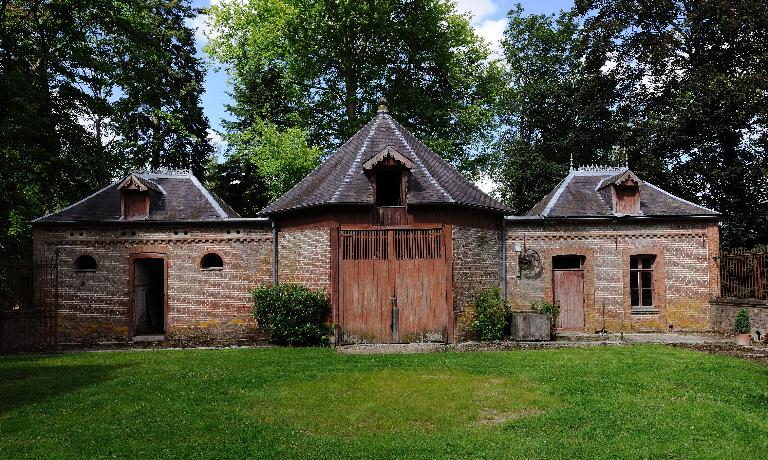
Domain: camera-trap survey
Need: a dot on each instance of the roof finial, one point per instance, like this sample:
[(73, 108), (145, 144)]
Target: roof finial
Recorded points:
[(382, 105), (571, 168), (626, 157)]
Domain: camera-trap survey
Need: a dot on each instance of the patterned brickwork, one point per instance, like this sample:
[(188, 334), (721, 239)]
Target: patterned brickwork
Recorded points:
[(685, 271), (213, 304), (305, 258), (476, 265)]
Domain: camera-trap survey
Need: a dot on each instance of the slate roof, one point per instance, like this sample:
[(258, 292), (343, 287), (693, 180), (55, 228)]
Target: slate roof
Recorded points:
[(341, 179), (174, 196), (578, 195)]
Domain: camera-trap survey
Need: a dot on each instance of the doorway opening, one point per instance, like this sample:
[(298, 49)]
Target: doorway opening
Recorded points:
[(568, 290), (149, 296)]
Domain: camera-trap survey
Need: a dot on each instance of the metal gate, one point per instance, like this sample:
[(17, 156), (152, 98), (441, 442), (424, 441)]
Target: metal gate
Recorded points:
[(393, 285), (28, 306)]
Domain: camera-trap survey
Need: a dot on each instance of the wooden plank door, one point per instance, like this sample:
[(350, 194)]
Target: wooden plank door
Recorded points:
[(393, 285), (568, 288), (419, 269), (365, 286)]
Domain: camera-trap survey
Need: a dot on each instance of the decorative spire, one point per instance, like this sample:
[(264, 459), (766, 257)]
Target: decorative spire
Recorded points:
[(382, 105), (571, 168), (626, 158)]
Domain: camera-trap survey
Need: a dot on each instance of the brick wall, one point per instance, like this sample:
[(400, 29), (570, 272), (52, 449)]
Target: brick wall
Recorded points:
[(476, 265), (215, 304), (305, 258), (685, 270)]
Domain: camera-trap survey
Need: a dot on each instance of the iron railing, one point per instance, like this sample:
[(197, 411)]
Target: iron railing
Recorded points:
[(29, 297), (744, 274)]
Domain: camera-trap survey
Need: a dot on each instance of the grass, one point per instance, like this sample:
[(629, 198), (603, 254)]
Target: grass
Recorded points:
[(638, 401)]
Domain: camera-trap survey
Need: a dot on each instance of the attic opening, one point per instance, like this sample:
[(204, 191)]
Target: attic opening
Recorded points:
[(134, 197), (135, 204), (388, 188), (387, 171)]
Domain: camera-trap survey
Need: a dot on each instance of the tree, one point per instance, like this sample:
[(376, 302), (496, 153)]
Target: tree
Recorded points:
[(554, 106), (70, 73), (319, 66), (694, 96), (159, 119), (264, 164)]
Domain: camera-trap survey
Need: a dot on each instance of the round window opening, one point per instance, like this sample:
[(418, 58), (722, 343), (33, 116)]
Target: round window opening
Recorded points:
[(85, 263), (211, 261)]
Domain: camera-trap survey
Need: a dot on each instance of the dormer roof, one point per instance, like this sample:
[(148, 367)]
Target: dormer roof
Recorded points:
[(579, 195), (135, 182), (623, 177), (179, 197), (388, 152), (341, 179)]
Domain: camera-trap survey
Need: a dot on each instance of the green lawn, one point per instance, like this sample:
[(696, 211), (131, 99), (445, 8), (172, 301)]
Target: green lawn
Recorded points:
[(634, 401)]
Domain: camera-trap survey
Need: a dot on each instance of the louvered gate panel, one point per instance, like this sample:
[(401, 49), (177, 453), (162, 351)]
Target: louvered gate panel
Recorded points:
[(393, 285)]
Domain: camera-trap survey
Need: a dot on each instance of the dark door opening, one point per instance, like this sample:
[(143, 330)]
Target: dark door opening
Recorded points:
[(148, 296)]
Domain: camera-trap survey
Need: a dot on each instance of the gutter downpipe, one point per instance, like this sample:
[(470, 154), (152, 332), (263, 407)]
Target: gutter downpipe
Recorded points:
[(504, 258), (275, 278)]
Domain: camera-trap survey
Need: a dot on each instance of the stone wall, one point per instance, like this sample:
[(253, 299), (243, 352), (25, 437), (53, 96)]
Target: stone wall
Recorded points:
[(724, 314), (476, 265), (96, 306), (685, 271)]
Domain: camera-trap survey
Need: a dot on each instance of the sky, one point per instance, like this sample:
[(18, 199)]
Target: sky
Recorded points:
[(488, 18)]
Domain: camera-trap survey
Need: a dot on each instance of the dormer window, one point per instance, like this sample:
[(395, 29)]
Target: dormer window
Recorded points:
[(388, 171), (135, 197), (389, 188), (135, 205), (622, 192)]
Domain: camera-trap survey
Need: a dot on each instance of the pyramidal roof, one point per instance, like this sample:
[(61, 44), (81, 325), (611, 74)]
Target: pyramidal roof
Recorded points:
[(341, 180)]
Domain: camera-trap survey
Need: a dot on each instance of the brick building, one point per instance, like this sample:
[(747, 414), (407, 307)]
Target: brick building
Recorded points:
[(616, 253), (399, 240)]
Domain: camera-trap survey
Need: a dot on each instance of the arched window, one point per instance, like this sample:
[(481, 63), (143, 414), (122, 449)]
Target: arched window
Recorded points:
[(211, 261), (85, 263)]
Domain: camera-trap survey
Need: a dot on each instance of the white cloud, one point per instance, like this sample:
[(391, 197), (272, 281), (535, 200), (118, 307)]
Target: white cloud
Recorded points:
[(483, 11), (493, 31), (218, 143), (477, 8), (486, 184), (200, 24)]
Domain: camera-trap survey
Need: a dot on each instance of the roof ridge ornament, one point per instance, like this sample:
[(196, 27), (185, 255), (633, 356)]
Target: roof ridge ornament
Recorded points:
[(382, 105), (164, 171), (570, 169)]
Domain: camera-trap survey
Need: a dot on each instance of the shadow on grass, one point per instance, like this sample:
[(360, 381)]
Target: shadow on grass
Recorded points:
[(26, 383)]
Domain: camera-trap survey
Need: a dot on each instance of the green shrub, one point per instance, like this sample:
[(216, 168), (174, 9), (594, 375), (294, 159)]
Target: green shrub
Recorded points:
[(292, 314), (491, 315), (741, 325), (550, 309)]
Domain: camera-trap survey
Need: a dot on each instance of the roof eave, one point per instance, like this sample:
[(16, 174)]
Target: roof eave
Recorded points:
[(144, 222), (275, 212), (715, 217)]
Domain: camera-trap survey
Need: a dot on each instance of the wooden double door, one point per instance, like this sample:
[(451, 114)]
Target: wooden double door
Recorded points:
[(394, 285)]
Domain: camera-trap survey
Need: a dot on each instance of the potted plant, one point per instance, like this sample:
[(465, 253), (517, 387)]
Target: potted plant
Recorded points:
[(742, 326)]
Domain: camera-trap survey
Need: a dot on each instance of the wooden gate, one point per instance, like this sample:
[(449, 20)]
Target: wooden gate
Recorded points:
[(394, 285), (568, 288)]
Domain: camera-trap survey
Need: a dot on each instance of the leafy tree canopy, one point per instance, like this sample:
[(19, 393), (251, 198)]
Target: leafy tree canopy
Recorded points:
[(89, 90), (319, 66)]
